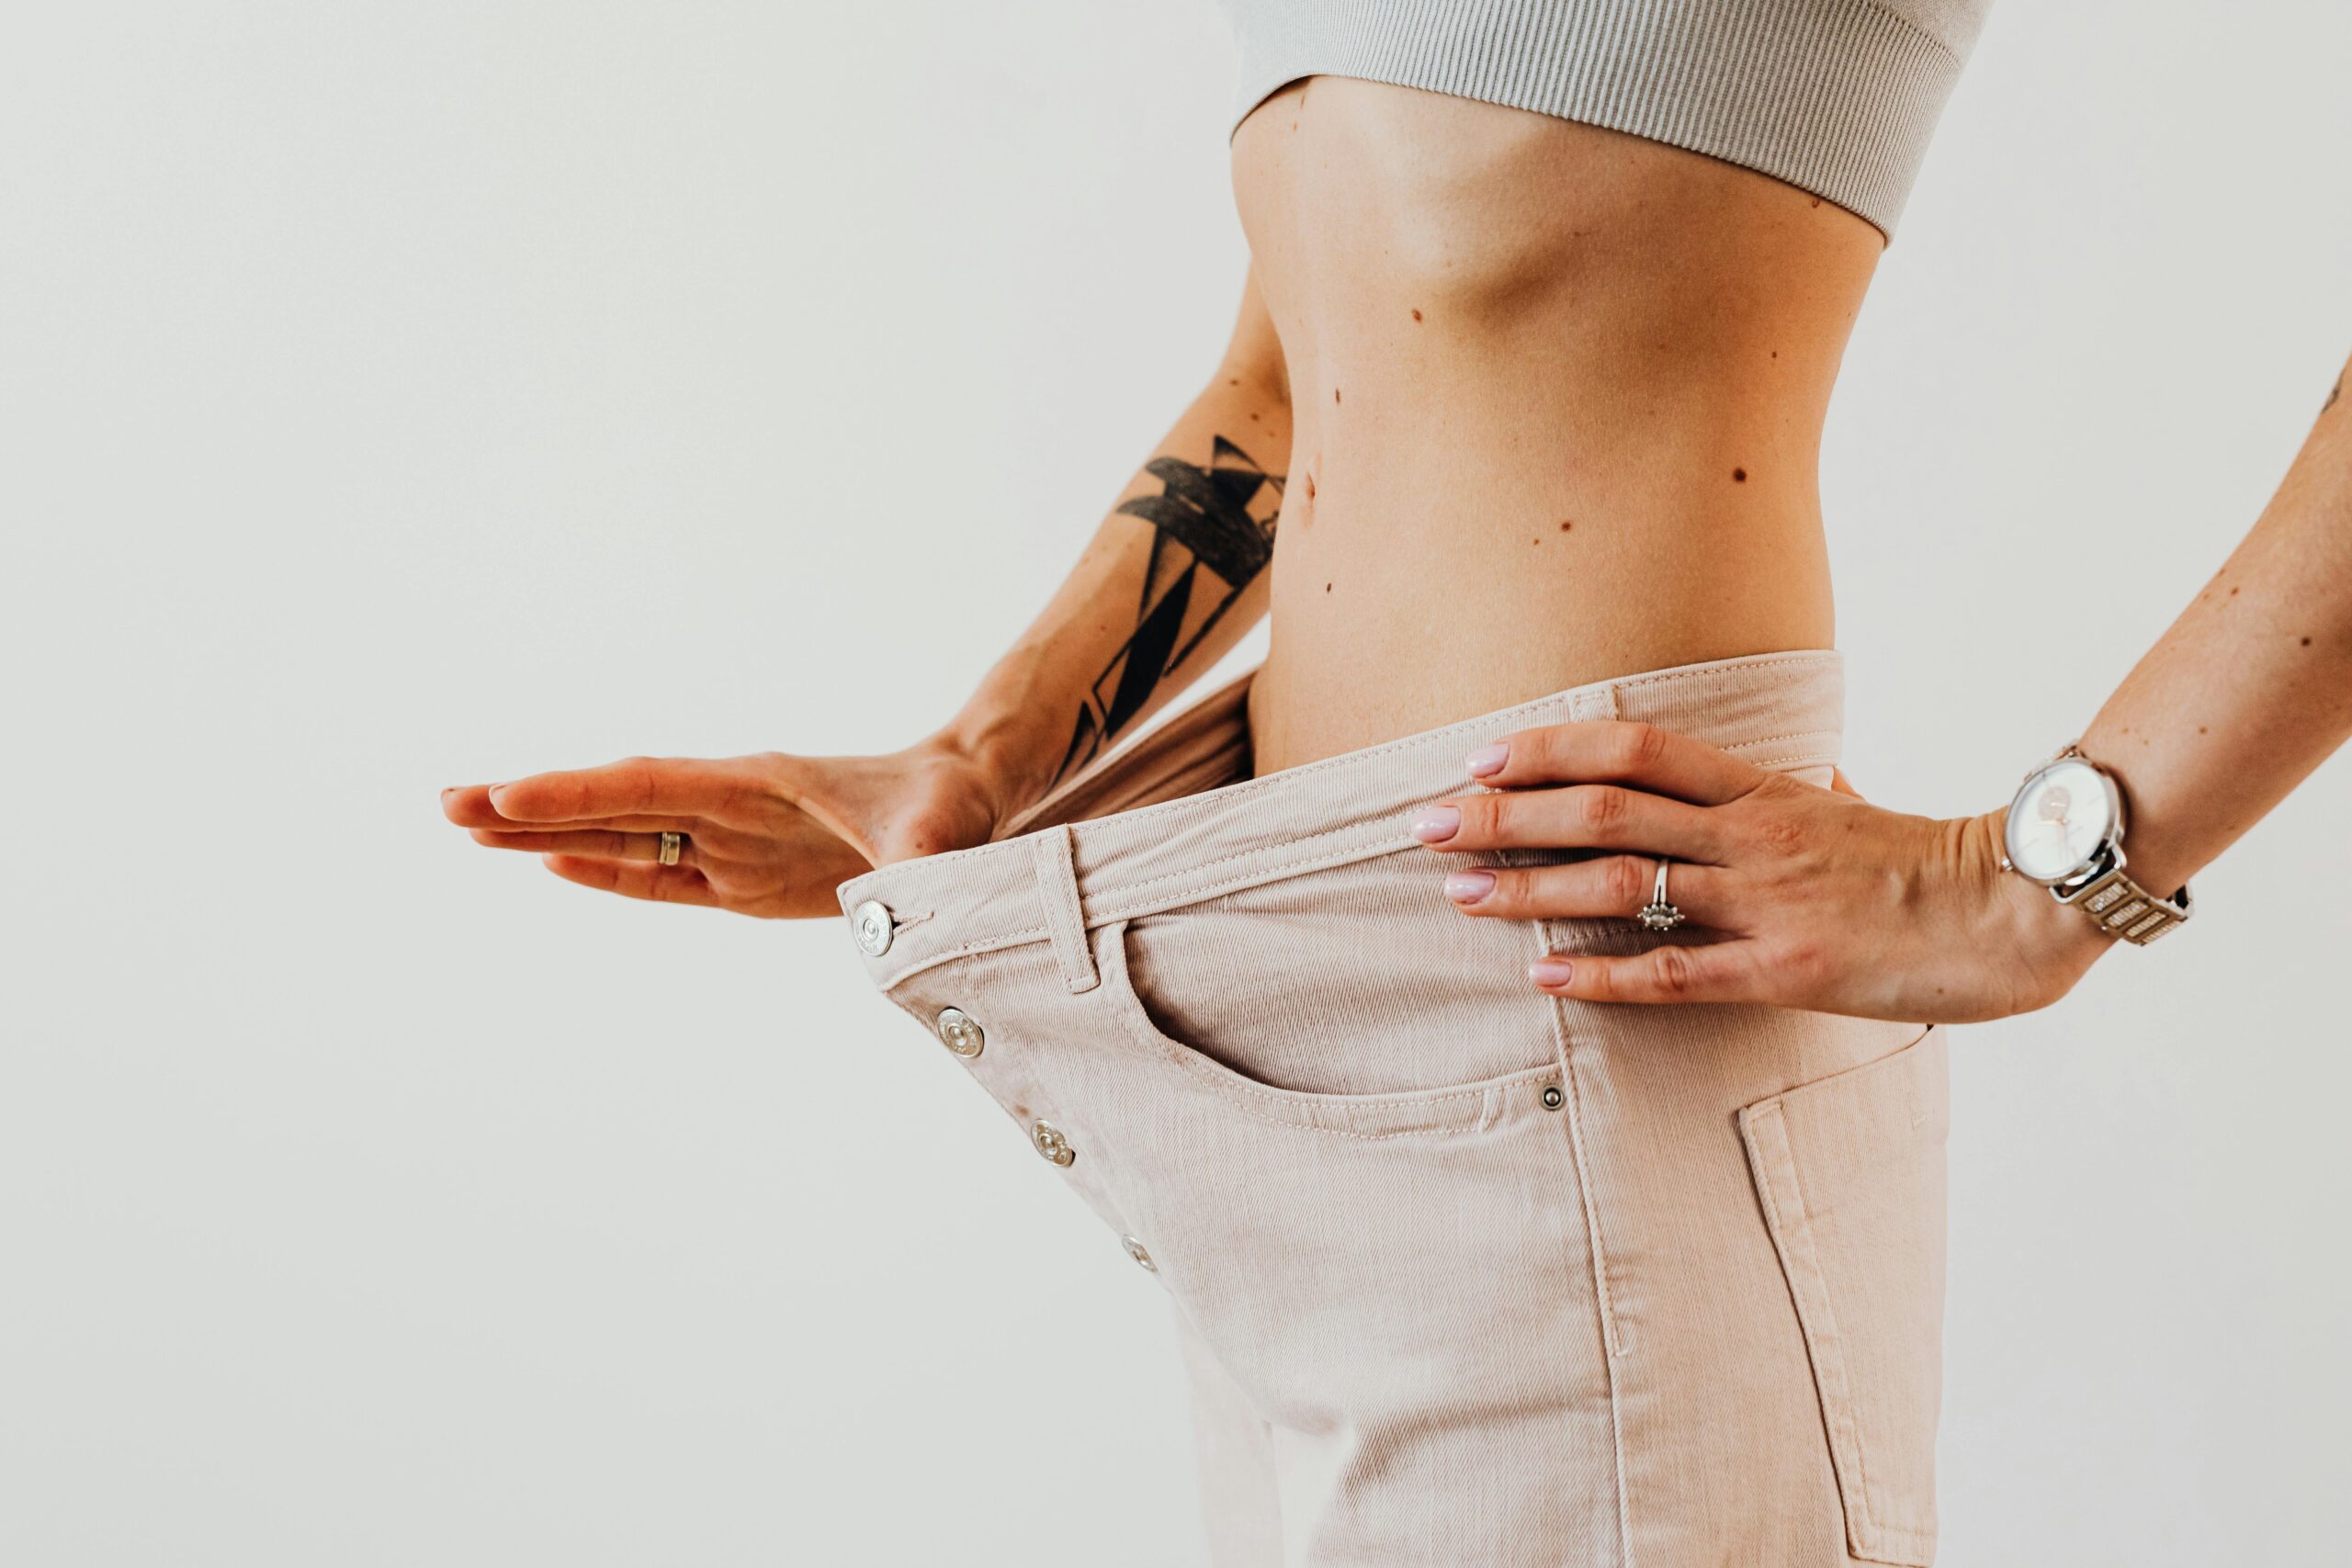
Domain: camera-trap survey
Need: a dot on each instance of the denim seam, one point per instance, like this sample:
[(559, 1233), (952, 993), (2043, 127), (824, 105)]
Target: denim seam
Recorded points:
[(1613, 1340), (1299, 1109)]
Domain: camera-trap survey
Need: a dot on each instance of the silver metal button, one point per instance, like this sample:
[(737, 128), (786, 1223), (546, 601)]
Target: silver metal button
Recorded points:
[(870, 923), (1135, 1251), (1554, 1097), (1051, 1143), (960, 1033)]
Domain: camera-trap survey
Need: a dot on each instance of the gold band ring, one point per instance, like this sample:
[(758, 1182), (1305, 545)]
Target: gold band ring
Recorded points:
[(671, 844)]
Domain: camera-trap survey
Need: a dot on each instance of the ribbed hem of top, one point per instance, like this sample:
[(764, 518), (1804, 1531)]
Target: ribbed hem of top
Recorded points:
[(1837, 98)]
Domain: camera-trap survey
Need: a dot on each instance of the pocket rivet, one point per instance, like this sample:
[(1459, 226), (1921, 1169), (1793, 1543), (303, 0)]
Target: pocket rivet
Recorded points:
[(960, 1033), (1554, 1097), (1047, 1140)]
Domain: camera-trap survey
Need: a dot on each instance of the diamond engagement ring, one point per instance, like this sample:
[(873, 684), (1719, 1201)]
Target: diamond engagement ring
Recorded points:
[(1658, 915)]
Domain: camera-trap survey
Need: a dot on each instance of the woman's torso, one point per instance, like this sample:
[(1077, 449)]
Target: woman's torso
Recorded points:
[(1558, 394)]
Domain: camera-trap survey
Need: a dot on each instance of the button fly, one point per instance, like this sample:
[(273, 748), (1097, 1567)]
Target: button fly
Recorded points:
[(870, 923), (1051, 1143), (960, 1033)]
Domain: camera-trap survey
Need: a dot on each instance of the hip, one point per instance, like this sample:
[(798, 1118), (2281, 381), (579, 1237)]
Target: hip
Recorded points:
[(1485, 1266)]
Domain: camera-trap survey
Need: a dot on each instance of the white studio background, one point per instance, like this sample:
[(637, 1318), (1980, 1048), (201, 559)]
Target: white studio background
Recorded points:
[(395, 396)]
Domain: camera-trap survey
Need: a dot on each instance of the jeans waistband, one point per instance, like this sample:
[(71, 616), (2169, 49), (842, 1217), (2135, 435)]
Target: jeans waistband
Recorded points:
[(1067, 871)]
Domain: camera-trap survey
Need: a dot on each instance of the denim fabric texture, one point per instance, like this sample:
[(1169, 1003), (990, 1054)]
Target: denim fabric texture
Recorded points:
[(1462, 1272)]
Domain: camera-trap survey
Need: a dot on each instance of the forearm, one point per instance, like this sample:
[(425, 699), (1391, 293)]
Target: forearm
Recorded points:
[(1172, 579), (2251, 689)]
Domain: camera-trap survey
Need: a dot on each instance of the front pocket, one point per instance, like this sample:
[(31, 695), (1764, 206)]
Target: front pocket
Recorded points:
[(1851, 1173), (1434, 1112)]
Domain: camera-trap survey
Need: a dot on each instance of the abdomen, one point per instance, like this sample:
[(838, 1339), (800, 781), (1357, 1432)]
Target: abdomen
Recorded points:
[(1558, 395)]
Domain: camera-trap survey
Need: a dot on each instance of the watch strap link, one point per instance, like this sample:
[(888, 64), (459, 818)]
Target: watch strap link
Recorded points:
[(2122, 908)]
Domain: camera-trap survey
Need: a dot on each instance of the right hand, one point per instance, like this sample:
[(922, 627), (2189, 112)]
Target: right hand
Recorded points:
[(769, 834), (1817, 899)]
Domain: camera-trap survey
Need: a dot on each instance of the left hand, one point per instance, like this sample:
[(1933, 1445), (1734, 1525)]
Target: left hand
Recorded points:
[(770, 835), (1816, 899)]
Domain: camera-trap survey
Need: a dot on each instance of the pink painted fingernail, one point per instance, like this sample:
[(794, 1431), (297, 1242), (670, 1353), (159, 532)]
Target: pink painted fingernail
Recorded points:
[(1468, 887), (1551, 971), (1437, 824), (1487, 760)]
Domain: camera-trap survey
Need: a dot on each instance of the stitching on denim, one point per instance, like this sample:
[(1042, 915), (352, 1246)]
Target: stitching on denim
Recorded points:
[(1118, 986), (1771, 740), (1058, 887), (1772, 1166), (1371, 850), (888, 978), (1702, 672), (1118, 902), (1596, 1253), (1849, 1417), (1302, 1114), (1786, 761), (1720, 667), (1249, 788)]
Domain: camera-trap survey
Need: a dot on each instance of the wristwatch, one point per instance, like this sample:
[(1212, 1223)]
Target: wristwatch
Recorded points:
[(2065, 832)]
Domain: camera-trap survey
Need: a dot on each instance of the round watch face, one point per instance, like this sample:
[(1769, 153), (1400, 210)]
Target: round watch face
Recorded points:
[(2059, 821)]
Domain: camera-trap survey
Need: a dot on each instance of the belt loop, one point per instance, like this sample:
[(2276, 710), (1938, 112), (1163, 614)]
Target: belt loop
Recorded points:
[(1065, 917), (1593, 701)]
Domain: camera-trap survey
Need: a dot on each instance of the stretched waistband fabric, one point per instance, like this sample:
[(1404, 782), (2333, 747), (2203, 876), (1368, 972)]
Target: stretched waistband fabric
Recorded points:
[(1781, 711)]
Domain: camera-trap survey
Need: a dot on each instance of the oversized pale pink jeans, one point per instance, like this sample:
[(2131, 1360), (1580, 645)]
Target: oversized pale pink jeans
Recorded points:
[(1463, 1274)]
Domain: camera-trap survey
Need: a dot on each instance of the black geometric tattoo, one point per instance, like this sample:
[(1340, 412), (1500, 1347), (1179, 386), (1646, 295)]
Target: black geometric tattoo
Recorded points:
[(1213, 533)]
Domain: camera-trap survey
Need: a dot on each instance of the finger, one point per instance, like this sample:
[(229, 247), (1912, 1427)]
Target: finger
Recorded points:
[(635, 786), (656, 884), (469, 806), (1840, 782), (1615, 751), (1579, 816), (597, 843), (1715, 972), (1592, 889)]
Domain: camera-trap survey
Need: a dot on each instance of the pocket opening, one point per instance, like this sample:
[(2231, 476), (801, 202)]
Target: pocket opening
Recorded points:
[(1452, 1109), (1849, 1173)]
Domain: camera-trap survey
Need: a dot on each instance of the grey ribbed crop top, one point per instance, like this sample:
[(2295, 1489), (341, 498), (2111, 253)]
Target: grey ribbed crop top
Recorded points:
[(1837, 98)]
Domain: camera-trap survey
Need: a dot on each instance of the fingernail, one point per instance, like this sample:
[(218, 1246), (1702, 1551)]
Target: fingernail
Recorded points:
[(1550, 971), (1468, 887), (1437, 824), (450, 791), (1487, 760), (494, 802)]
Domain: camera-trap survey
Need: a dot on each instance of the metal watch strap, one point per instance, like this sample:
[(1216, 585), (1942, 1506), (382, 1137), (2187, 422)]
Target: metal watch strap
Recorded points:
[(2122, 908)]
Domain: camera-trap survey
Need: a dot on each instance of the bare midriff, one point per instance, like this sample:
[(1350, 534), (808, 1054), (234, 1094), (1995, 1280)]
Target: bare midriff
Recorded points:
[(1557, 396)]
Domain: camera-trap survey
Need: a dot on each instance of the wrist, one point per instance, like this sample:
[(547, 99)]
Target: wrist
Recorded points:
[(2053, 943), (1009, 763)]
